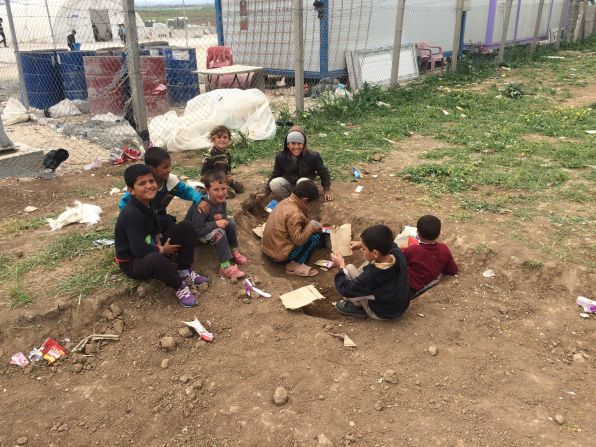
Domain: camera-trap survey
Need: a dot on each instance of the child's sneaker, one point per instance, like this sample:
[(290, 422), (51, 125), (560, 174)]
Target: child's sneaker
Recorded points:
[(231, 272), (185, 296), (239, 258), (349, 309), (194, 279)]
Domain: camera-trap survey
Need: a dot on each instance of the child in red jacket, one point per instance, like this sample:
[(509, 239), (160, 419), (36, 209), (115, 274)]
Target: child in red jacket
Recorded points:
[(429, 259)]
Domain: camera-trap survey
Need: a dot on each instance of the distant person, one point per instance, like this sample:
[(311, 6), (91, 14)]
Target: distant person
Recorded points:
[(71, 40), (122, 32), (95, 32), (429, 259), (2, 33)]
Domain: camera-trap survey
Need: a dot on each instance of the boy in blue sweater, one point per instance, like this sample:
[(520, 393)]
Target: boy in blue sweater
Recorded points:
[(378, 289), (168, 186)]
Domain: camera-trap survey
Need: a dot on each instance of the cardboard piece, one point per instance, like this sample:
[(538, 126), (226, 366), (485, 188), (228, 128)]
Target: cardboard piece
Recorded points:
[(340, 240), (259, 230), (348, 342), (300, 297)]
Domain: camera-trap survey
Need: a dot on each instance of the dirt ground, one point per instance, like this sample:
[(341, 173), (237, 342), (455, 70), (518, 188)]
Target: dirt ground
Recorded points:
[(512, 351)]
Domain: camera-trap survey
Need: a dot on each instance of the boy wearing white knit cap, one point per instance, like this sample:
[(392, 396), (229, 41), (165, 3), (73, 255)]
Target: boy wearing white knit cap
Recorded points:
[(294, 164)]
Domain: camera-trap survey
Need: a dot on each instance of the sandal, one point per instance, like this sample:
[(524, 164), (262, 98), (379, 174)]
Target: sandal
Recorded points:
[(303, 270)]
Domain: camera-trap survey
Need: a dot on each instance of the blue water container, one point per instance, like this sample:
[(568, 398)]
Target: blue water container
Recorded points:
[(183, 84), (42, 78), (72, 72)]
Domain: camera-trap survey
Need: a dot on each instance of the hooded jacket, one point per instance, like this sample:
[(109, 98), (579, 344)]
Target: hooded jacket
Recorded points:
[(309, 164), (287, 227)]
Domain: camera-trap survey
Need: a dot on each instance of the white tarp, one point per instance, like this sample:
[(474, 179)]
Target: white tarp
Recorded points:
[(247, 111)]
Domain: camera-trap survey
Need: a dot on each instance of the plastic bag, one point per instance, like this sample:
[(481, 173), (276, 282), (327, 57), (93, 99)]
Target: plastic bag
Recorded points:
[(66, 107), (80, 213)]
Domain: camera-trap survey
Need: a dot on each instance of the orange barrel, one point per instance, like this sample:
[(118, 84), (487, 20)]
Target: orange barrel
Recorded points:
[(105, 79), (155, 90)]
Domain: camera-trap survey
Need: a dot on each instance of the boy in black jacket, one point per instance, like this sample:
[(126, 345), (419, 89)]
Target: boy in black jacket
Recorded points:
[(379, 289), (142, 252), (294, 164)]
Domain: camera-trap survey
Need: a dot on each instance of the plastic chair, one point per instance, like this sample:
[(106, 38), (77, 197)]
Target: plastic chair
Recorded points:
[(222, 57), (428, 57)]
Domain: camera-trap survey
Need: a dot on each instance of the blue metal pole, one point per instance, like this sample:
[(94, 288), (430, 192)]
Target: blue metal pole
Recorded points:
[(324, 40), (219, 22)]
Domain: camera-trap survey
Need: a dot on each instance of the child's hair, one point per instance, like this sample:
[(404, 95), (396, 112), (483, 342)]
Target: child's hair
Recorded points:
[(156, 156), (307, 189), (220, 130), (429, 227), (378, 237), (213, 176), (133, 172)]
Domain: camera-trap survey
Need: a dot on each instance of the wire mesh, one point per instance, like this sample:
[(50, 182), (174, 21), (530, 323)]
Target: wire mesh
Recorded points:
[(74, 71)]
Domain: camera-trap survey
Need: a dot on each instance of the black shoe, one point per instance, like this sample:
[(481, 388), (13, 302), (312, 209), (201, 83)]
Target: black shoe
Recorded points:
[(350, 310), (237, 187)]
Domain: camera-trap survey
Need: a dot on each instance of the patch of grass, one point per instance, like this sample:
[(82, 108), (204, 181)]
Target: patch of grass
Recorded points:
[(482, 249), (192, 172), (84, 192), (17, 225), (19, 296), (480, 206)]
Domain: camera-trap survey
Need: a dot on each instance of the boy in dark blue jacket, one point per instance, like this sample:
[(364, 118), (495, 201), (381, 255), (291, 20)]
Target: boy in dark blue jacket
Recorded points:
[(168, 186), (378, 289), (143, 251)]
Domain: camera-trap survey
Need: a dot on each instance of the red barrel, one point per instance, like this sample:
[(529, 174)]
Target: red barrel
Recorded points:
[(105, 84), (155, 90)]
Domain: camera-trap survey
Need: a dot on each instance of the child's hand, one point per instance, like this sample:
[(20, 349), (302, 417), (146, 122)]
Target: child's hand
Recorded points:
[(355, 245), (217, 216), (328, 196), (204, 207), (222, 223), (168, 248), (338, 260), (260, 196)]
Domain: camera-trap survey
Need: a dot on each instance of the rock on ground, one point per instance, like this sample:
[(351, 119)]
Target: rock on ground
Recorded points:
[(168, 344), (280, 396), (390, 376), (432, 350)]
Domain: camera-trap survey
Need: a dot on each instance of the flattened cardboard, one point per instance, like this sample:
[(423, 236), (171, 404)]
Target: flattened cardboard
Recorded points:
[(300, 297), (340, 240), (259, 230)]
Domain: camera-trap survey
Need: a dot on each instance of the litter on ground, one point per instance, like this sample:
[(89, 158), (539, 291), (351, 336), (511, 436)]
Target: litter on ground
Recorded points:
[(80, 213), (300, 297)]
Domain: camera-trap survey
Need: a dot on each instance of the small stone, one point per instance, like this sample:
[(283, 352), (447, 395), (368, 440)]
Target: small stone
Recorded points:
[(280, 396), (578, 358), (185, 332), (432, 350), (323, 441), (407, 177), (189, 390), (584, 315), (63, 427), (165, 363), (22, 440), (560, 419), (241, 294), (116, 310), (233, 280), (118, 326), (246, 301), (256, 280), (77, 368), (378, 406), (107, 314), (203, 287), (377, 157), (390, 376), (19, 253), (78, 358), (91, 348), (30, 209), (321, 397), (352, 424), (142, 290), (184, 379), (168, 344), (185, 431)]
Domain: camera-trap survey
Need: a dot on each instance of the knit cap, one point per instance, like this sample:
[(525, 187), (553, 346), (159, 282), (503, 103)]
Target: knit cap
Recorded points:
[(295, 137)]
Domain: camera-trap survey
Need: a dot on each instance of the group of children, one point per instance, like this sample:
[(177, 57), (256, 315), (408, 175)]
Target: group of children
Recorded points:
[(150, 244)]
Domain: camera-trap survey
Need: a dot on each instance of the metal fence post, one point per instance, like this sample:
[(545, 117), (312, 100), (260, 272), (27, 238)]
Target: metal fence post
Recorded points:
[(564, 9), (459, 11), (537, 26), (134, 68), (399, 26), (15, 45), (298, 36), (51, 26), (577, 32), (504, 31)]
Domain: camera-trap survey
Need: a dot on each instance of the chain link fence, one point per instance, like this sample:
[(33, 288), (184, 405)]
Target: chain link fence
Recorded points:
[(67, 71)]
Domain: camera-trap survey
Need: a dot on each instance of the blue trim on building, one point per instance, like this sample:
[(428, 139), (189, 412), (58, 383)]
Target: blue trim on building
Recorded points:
[(324, 40), (219, 22)]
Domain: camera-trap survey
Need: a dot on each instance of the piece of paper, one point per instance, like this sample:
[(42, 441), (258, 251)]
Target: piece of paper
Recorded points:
[(197, 326), (348, 342), (259, 230), (300, 297), (359, 188), (340, 240)]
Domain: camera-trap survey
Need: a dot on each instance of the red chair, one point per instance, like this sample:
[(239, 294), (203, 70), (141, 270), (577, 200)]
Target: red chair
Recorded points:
[(218, 57), (429, 58)]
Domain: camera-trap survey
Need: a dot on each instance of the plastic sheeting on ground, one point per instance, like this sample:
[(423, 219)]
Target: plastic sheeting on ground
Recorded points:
[(80, 213), (14, 113), (247, 111)]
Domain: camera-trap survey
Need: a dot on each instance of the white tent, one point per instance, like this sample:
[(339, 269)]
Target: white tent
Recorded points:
[(33, 25)]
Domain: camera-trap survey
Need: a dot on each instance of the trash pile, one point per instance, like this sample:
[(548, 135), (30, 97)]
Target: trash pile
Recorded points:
[(588, 305)]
